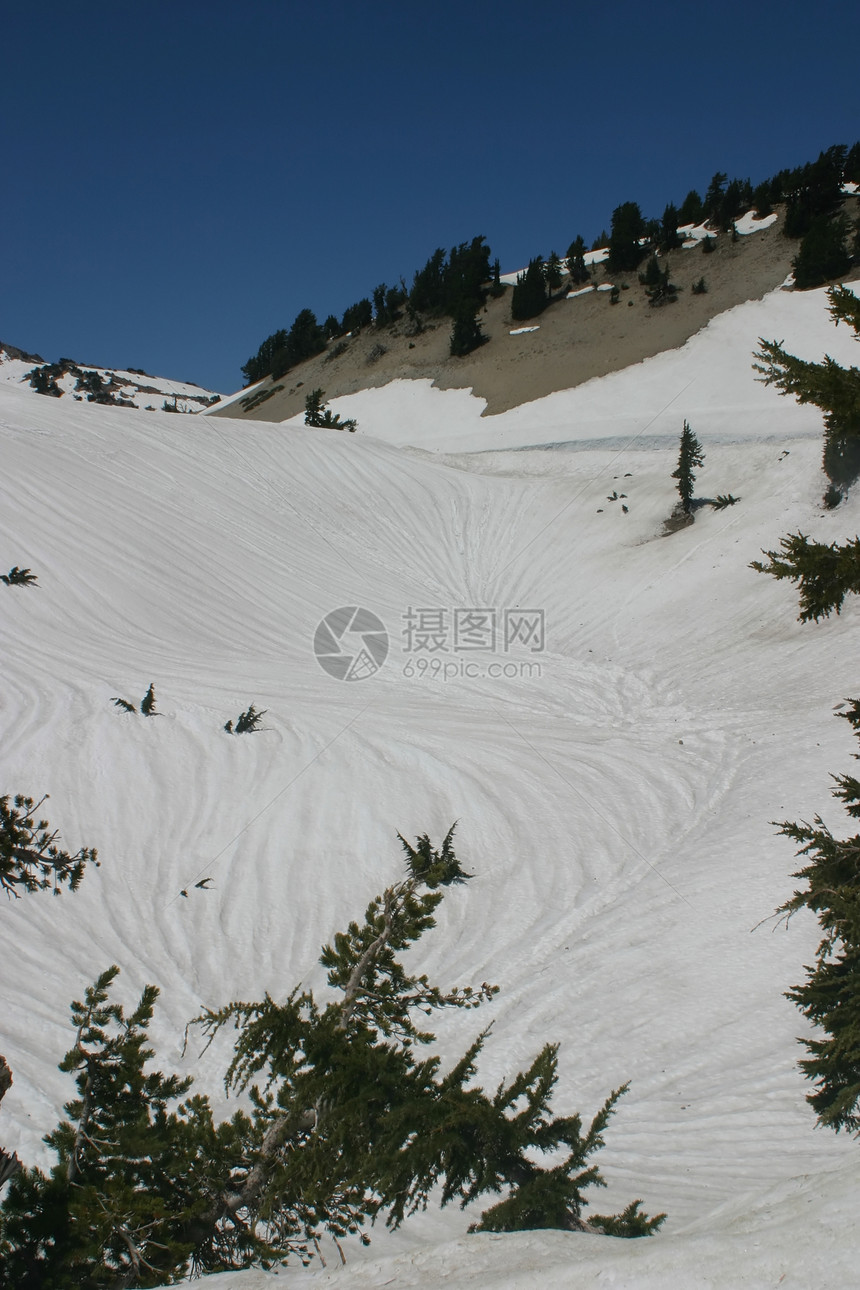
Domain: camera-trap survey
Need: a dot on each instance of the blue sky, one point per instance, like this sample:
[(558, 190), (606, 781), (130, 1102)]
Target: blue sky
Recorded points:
[(180, 179)]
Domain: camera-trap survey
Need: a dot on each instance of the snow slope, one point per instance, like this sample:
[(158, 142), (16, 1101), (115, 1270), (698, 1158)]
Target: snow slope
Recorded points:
[(615, 804)]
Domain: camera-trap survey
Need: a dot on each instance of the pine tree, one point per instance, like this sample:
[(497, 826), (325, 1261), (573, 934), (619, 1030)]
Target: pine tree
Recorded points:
[(30, 860), (529, 294), (822, 255), (116, 1207), (349, 1120), (147, 703), (552, 270), (689, 457), (824, 574), (834, 389), (830, 994), (372, 1126), (19, 577), (467, 333), (669, 238), (628, 229), (576, 266), (319, 415)]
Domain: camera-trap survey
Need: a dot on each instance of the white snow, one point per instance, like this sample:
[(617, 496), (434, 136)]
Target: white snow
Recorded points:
[(616, 808), (520, 331)]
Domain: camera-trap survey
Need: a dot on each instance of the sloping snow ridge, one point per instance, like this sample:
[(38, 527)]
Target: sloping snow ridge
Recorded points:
[(614, 790)]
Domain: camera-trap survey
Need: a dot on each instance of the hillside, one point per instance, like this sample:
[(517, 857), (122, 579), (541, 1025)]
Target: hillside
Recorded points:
[(573, 341), (615, 804), (89, 384)]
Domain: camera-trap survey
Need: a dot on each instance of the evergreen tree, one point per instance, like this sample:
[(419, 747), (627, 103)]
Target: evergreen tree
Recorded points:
[(467, 333), (824, 574), (830, 994), (317, 414), (30, 860), (357, 316), (691, 211), (834, 389), (712, 204), (529, 294), (658, 288), (349, 1120), (689, 457), (668, 237), (628, 228), (147, 703), (19, 577), (822, 255), (116, 1207), (576, 266), (552, 273), (372, 1124), (762, 200)]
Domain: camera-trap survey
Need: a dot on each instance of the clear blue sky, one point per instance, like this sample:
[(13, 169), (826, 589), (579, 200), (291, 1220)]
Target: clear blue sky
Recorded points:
[(180, 179)]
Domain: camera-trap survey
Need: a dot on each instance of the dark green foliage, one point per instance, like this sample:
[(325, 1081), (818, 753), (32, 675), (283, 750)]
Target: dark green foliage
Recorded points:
[(247, 721), (699, 288), (19, 578), (851, 171), (600, 242), (498, 287), (44, 380), (304, 339), (386, 304), (390, 1127), (822, 255), (349, 1120), (736, 199), (669, 238), (762, 200), (357, 316), (467, 333), (260, 365), (529, 295), (131, 1173), (553, 272), (813, 190), (690, 456), (331, 328), (576, 266), (691, 211), (709, 245), (628, 228), (830, 994), (824, 574), (29, 857), (455, 284), (658, 288), (615, 295), (722, 500), (317, 414), (712, 204), (834, 389)]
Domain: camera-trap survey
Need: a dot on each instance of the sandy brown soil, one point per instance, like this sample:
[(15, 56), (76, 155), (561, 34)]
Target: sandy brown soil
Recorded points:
[(577, 339)]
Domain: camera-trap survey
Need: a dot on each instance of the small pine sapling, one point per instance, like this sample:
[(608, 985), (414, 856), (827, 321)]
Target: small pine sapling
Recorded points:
[(722, 500), (699, 288), (123, 704), (689, 457), (246, 721), (147, 703), (19, 578)]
